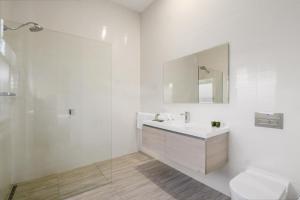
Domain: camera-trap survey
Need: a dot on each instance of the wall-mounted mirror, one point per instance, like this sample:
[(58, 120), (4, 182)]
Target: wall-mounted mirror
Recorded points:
[(198, 78)]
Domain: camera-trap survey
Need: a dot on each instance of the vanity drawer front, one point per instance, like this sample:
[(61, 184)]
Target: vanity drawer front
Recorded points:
[(186, 151), (153, 140)]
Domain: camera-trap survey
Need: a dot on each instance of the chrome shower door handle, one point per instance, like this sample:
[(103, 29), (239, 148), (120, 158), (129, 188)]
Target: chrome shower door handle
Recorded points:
[(71, 111)]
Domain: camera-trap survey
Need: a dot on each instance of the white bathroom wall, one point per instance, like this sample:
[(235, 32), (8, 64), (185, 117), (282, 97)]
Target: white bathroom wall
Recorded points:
[(264, 75), (104, 21)]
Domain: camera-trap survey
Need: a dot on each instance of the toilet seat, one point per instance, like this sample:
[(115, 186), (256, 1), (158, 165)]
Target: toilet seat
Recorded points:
[(255, 184)]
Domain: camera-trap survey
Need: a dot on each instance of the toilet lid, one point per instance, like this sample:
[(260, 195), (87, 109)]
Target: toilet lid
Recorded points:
[(255, 187)]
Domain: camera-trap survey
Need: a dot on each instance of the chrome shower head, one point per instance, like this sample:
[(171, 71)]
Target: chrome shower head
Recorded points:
[(34, 28), (204, 68)]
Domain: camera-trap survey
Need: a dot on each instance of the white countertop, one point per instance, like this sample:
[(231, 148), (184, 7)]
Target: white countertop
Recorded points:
[(190, 129)]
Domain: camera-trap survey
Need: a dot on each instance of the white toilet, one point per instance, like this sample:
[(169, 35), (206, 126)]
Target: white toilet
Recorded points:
[(256, 184)]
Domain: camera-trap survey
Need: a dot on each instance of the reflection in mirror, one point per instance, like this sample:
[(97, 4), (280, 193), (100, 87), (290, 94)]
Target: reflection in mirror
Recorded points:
[(198, 78)]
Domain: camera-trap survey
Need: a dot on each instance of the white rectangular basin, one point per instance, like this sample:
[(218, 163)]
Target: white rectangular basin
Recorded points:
[(190, 129)]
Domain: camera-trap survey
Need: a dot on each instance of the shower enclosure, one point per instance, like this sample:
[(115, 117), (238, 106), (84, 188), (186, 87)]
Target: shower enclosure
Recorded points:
[(55, 95)]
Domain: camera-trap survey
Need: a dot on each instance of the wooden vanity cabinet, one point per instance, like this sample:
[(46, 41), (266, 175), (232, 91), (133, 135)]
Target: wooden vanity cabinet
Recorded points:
[(197, 154), (153, 140)]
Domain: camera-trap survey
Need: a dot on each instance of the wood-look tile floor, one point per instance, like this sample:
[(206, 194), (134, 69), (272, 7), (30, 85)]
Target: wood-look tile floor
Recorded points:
[(63, 185), (134, 177)]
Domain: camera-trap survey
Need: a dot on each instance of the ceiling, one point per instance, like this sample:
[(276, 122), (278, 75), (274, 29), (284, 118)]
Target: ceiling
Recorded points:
[(136, 5)]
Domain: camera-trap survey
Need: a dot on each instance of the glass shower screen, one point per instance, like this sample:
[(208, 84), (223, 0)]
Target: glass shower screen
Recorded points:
[(62, 117)]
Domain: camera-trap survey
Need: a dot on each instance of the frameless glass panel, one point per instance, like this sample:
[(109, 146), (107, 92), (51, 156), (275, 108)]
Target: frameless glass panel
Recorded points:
[(62, 139), (7, 61)]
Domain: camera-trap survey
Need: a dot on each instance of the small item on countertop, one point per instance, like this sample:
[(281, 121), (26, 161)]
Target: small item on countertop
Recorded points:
[(156, 119), (218, 124), (213, 124)]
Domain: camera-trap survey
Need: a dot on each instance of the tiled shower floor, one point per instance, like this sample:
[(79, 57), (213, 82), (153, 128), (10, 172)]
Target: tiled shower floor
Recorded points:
[(67, 184)]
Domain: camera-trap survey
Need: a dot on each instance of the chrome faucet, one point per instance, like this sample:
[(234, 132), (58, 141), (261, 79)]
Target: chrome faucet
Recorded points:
[(187, 117)]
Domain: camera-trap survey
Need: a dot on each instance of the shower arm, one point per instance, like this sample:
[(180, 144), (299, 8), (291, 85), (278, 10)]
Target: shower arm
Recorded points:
[(16, 28)]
